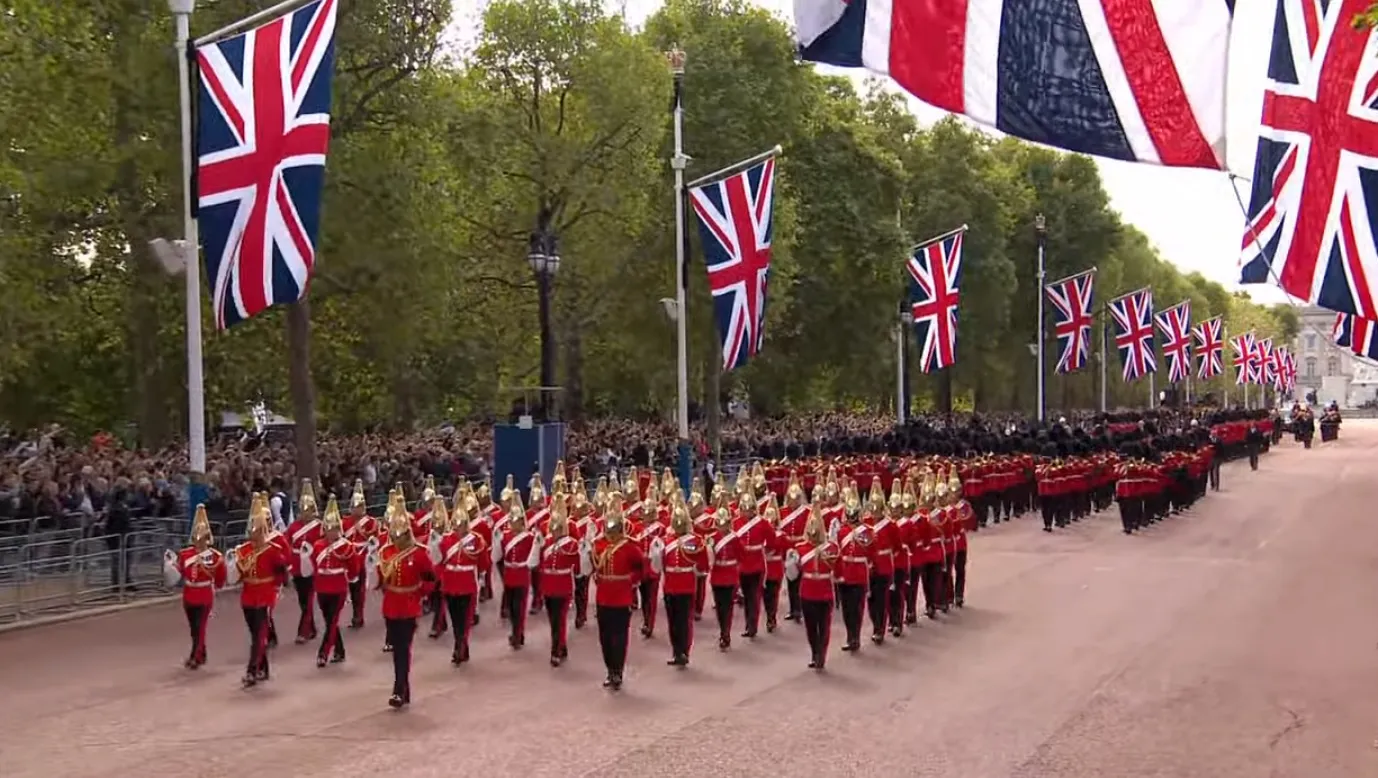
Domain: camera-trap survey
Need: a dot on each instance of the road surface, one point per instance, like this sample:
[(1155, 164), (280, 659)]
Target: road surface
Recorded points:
[(1238, 640)]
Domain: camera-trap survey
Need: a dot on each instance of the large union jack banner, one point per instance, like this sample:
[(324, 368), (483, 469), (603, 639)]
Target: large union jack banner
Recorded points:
[(1315, 183), (1243, 351), (1210, 347), (1264, 362), (1133, 317), (1072, 299), (262, 134), (1357, 334), (735, 216), (1175, 324), (935, 277)]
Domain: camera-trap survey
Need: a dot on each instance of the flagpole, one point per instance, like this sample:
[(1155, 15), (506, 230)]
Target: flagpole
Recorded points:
[(901, 410), (190, 254), (277, 9), (678, 162), (735, 166), (1041, 229), (1104, 361), (1152, 390)]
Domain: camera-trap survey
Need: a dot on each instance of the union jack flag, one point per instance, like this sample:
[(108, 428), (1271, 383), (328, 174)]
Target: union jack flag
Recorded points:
[(1266, 369), (1289, 373), (262, 134), (1243, 352), (935, 275), (1175, 324), (1278, 371), (1210, 347), (1315, 177), (1133, 317), (1357, 334), (736, 222), (1071, 298)]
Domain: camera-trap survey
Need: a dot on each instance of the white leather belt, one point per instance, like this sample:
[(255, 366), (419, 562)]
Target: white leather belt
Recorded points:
[(887, 551), (757, 547), (680, 569), (460, 568), (854, 559), (329, 572), (726, 563), (817, 576), (198, 584)]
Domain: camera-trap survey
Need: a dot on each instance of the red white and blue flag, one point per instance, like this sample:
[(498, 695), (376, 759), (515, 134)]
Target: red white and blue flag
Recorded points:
[(1267, 370), (1279, 368), (1072, 301), (1132, 315), (735, 216), (1139, 80), (1210, 347), (1253, 361), (1175, 324), (1243, 352), (262, 133), (1315, 184), (1357, 334), (935, 277)]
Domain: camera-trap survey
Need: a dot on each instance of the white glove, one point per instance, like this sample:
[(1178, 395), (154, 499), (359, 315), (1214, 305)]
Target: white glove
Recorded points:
[(435, 548), (231, 571), (304, 554), (658, 556), (172, 575), (792, 565)]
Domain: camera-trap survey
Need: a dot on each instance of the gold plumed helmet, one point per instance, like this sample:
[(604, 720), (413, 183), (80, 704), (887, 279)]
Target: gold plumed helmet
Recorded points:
[(631, 488), (399, 523), (331, 522), (614, 523), (559, 517), (939, 488), (679, 520), (440, 517), (722, 519), (653, 495), (746, 502), (908, 499), (876, 497), (514, 507), (508, 489), (758, 477), (428, 491), (357, 499), (260, 519), (851, 500), (795, 493), (814, 530), (483, 492), (743, 480), (668, 482), (465, 509), (954, 485), (201, 536), (558, 482), (772, 512), (833, 490), (306, 503), (535, 490)]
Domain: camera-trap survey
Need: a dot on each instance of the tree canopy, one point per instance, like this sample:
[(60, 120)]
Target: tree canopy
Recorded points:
[(423, 306)]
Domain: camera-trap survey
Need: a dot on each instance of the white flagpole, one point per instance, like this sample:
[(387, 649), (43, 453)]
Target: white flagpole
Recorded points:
[(190, 251), (678, 162), (1041, 229), (1104, 361)]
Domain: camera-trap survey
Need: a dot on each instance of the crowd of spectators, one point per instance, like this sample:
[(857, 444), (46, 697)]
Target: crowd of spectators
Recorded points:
[(99, 485)]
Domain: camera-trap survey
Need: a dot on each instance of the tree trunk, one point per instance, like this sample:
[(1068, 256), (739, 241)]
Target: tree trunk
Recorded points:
[(574, 374), (713, 401), (303, 390), (945, 392)]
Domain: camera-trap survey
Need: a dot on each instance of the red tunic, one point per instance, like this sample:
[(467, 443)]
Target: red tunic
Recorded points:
[(726, 559), (262, 572), (792, 523), (853, 564), (360, 531), (201, 576), (421, 525), (882, 549), (405, 576), (301, 533), (685, 559), (336, 565), (817, 567), (617, 570), (646, 536), (753, 535), (462, 560), (559, 562), (519, 552), (776, 548)]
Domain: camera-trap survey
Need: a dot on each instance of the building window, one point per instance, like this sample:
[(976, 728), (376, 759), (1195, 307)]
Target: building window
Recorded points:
[(1310, 367), (1332, 366), (1310, 341)]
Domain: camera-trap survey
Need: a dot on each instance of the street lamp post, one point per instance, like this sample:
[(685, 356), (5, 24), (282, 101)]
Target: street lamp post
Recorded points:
[(1041, 229), (905, 320), (544, 259)]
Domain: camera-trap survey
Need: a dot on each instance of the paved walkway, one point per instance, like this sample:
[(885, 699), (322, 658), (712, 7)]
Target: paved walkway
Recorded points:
[(1235, 641)]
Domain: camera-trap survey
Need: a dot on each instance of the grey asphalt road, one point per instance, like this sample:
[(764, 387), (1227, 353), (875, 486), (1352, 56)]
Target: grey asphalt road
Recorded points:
[(1236, 640)]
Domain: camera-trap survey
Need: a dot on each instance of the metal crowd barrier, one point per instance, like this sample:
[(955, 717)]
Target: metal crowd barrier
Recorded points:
[(61, 574)]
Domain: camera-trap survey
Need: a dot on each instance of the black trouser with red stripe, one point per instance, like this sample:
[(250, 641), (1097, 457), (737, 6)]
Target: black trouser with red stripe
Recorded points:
[(878, 603), (198, 616), (332, 643), (461, 609), (306, 625), (818, 626), (356, 602), (256, 619), (751, 600)]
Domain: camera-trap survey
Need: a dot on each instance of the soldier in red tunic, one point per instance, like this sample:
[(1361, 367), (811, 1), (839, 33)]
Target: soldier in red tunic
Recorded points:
[(813, 563), (201, 569), (302, 535), (650, 536), (362, 531), (776, 546), (618, 565), (701, 516), (753, 535), (882, 555), (853, 571), (962, 518), (405, 575), (261, 567), (561, 557), (583, 526), (791, 532), (518, 550), (336, 562), (463, 558), (723, 575), (682, 563)]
